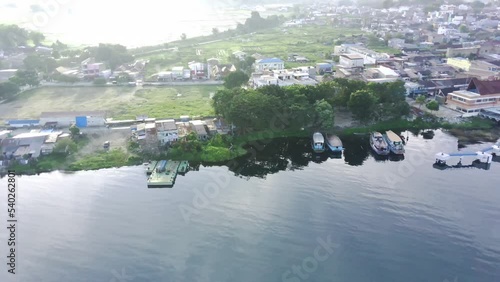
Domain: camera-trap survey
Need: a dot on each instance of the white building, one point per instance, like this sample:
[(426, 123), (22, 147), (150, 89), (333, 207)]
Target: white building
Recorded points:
[(167, 131), (269, 64), (351, 61)]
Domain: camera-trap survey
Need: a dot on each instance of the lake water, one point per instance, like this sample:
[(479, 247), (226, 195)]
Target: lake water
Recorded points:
[(282, 215)]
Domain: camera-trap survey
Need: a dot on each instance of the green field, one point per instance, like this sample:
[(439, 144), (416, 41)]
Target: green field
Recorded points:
[(120, 102), (313, 42)]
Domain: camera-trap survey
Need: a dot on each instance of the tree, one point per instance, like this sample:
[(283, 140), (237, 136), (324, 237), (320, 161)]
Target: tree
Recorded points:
[(362, 105), (420, 100), (114, 54), (23, 78), (433, 105), (12, 36), (463, 29), (74, 130), (65, 146), (36, 37), (235, 79), (37, 63), (215, 31), (324, 114), (183, 36), (8, 89)]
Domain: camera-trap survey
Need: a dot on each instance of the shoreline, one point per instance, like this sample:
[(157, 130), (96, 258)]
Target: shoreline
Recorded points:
[(473, 131)]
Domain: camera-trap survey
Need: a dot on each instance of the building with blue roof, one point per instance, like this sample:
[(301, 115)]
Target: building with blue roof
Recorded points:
[(269, 64), (23, 122)]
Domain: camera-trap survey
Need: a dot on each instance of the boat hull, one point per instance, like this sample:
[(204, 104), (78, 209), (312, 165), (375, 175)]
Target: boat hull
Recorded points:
[(336, 149), (334, 143)]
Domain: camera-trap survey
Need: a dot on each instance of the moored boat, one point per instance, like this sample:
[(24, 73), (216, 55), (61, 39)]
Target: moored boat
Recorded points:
[(334, 143), (379, 144), (318, 143), (395, 142)]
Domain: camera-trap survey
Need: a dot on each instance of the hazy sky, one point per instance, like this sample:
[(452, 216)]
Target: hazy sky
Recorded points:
[(131, 23)]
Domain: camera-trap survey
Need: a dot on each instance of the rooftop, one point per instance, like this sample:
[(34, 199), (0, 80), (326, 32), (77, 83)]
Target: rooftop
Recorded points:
[(270, 60), (485, 87), (352, 56)]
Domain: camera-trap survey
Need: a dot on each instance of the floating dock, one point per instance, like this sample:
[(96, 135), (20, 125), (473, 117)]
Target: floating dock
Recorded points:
[(482, 158), (165, 173)]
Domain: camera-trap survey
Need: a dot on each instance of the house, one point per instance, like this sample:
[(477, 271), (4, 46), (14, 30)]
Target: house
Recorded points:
[(78, 118), (322, 68), (479, 95), (462, 52), (4, 134), (23, 145), (349, 61), (198, 70), (23, 123), (269, 64), (178, 73), (381, 74), (90, 68), (50, 142), (396, 43), (167, 131), (200, 128)]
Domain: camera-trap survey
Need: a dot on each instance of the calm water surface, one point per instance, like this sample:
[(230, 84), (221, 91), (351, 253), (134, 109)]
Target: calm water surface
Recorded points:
[(262, 219)]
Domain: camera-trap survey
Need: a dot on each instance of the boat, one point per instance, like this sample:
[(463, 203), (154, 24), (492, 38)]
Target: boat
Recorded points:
[(379, 144), (318, 143), (334, 143), (394, 142)]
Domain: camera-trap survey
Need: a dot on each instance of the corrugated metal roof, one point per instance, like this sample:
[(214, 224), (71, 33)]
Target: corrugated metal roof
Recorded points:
[(23, 121)]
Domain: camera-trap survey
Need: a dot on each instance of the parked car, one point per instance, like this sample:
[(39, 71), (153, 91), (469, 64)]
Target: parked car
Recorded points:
[(106, 145)]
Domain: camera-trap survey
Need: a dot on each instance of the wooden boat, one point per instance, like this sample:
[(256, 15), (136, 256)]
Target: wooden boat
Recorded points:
[(334, 143), (394, 142), (378, 144), (318, 143)]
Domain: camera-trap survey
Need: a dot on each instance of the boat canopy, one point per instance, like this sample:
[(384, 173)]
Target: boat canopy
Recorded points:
[(393, 137), (318, 138)]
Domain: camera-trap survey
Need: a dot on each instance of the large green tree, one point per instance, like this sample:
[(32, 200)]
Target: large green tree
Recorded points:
[(8, 89), (236, 79), (23, 78), (362, 105), (324, 114)]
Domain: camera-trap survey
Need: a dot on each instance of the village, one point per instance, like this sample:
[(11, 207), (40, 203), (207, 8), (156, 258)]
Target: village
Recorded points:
[(450, 55)]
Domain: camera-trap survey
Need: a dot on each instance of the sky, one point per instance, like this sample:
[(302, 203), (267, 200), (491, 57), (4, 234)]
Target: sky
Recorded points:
[(131, 23)]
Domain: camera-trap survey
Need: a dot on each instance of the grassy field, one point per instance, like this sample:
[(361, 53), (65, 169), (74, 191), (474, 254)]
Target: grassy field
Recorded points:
[(120, 102), (313, 42)]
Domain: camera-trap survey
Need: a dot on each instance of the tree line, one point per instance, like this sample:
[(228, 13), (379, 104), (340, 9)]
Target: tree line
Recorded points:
[(298, 106)]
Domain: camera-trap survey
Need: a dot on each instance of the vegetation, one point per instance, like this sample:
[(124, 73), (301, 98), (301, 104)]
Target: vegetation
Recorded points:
[(8, 89), (119, 102), (103, 159), (219, 148), (99, 81), (236, 79), (420, 100), (295, 107), (433, 105), (25, 77)]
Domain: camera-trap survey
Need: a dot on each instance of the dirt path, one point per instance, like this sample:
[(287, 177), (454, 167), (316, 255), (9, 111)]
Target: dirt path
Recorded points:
[(117, 138)]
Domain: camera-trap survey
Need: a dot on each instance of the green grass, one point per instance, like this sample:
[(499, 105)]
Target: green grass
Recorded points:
[(306, 41), (120, 102), (164, 102), (103, 159)]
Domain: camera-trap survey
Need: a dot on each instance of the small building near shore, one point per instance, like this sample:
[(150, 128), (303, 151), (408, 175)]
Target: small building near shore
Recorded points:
[(167, 131)]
